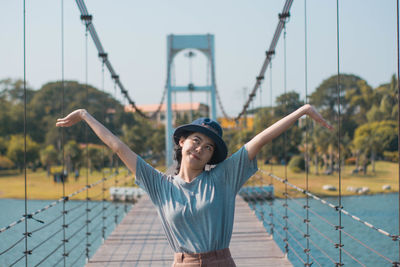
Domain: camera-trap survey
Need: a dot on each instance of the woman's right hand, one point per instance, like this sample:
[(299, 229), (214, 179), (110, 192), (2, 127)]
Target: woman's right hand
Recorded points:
[(71, 119)]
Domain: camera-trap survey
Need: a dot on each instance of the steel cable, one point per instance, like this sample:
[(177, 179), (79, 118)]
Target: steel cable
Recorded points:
[(12, 246), (22, 219), (334, 207), (75, 219), (338, 134), (24, 166), (271, 51), (90, 27), (307, 220), (321, 250), (295, 253), (76, 232), (86, 137), (47, 224), (18, 260), (367, 247), (76, 245), (351, 256), (62, 129), (77, 258), (47, 239), (398, 115)]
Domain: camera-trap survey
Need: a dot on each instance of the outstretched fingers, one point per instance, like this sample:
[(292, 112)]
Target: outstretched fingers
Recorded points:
[(317, 117), (73, 118)]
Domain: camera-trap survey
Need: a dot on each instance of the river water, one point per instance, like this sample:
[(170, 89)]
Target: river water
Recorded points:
[(46, 239), (379, 210), (361, 244)]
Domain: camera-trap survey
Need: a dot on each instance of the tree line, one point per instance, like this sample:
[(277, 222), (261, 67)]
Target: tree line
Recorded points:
[(77, 146), (368, 127)]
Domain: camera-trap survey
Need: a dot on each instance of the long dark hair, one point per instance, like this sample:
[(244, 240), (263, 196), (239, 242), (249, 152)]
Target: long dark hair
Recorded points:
[(178, 152)]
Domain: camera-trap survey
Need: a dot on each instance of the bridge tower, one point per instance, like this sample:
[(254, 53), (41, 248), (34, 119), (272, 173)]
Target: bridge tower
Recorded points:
[(175, 44)]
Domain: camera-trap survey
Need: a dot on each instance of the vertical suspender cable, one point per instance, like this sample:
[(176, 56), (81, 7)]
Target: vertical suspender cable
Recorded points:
[(103, 216), (398, 110), (116, 172), (339, 227), (284, 144), (270, 105), (208, 94), (87, 145), (128, 173), (307, 220), (25, 180), (62, 132), (271, 183)]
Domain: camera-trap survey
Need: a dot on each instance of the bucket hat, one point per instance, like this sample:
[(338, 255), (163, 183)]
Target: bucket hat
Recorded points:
[(210, 128)]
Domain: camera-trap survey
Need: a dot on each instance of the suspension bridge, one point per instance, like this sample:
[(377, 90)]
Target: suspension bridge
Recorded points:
[(276, 231)]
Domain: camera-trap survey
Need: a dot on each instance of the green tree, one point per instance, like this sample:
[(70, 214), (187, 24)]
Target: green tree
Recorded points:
[(93, 157), (325, 99), (13, 91), (374, 138), (360, 99), (72, 155), (5, 163), (15, 150), (3, 145), (46, 108), (385, 105), (48, 157)]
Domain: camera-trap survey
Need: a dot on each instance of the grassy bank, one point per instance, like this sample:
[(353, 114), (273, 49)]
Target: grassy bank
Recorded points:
[(386, 173), (39, 186)]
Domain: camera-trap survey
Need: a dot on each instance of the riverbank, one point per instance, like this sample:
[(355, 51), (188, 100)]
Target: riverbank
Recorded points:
[(386, 174), (41, 186)]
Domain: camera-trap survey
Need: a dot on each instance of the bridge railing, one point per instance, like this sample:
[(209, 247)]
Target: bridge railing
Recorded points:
[(66, 232), (308, 233)]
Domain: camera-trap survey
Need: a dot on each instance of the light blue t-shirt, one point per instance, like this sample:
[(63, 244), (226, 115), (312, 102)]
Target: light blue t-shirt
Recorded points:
[(197, 216)]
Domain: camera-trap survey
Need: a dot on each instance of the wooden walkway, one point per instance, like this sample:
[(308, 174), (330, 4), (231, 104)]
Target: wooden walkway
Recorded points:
[(139, 240)]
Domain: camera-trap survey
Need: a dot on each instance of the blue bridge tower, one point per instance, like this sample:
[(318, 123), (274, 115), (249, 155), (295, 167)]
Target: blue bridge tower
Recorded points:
[(175, 44)]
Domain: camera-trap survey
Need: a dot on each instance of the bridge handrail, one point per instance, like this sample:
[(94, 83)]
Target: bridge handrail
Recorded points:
[(330, 240), (30, 215), (393, 237), (286, 228)]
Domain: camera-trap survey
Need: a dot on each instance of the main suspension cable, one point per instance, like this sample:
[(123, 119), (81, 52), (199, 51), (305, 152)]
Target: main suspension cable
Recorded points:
[(90, 27), (271, 51)]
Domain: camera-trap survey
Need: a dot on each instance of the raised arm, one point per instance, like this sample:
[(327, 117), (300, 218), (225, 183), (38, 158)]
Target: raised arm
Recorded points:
[(113, 142), (255, 144)]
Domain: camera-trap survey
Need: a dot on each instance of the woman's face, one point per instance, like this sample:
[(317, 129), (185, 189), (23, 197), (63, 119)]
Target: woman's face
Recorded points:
[(197, 150)]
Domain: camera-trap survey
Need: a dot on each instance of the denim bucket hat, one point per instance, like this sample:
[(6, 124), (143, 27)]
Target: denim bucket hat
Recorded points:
[(210, 128)]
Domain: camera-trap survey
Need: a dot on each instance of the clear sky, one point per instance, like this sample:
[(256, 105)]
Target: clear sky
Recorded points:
[(134, 33)]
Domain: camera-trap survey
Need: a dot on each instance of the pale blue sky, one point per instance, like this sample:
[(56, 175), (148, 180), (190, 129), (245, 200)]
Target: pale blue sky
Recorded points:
[(134, 35)]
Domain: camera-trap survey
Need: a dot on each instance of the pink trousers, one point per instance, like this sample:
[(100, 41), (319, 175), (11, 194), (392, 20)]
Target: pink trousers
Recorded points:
[(217, 258)]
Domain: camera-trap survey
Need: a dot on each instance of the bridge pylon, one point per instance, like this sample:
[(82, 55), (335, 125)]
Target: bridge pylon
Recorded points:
[(175, 44)]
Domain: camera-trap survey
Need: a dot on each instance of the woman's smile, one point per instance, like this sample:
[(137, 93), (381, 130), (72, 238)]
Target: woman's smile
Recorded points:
[(195, 156)]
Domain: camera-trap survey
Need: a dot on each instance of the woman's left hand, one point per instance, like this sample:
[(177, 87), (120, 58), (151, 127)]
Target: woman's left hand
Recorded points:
[(72, 118), (313, 113)]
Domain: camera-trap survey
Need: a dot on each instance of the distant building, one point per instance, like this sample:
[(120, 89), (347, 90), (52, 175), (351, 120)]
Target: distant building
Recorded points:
[(179, 110), (244, 122)]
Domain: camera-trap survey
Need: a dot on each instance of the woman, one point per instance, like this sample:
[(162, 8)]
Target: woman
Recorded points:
[(196, 205)]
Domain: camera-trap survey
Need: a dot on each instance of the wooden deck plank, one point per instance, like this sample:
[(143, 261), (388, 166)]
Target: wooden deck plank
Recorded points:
[(139, 240)]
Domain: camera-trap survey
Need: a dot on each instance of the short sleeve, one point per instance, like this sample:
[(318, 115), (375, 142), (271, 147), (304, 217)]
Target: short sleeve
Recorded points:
[(238, 168), (149, 179)]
